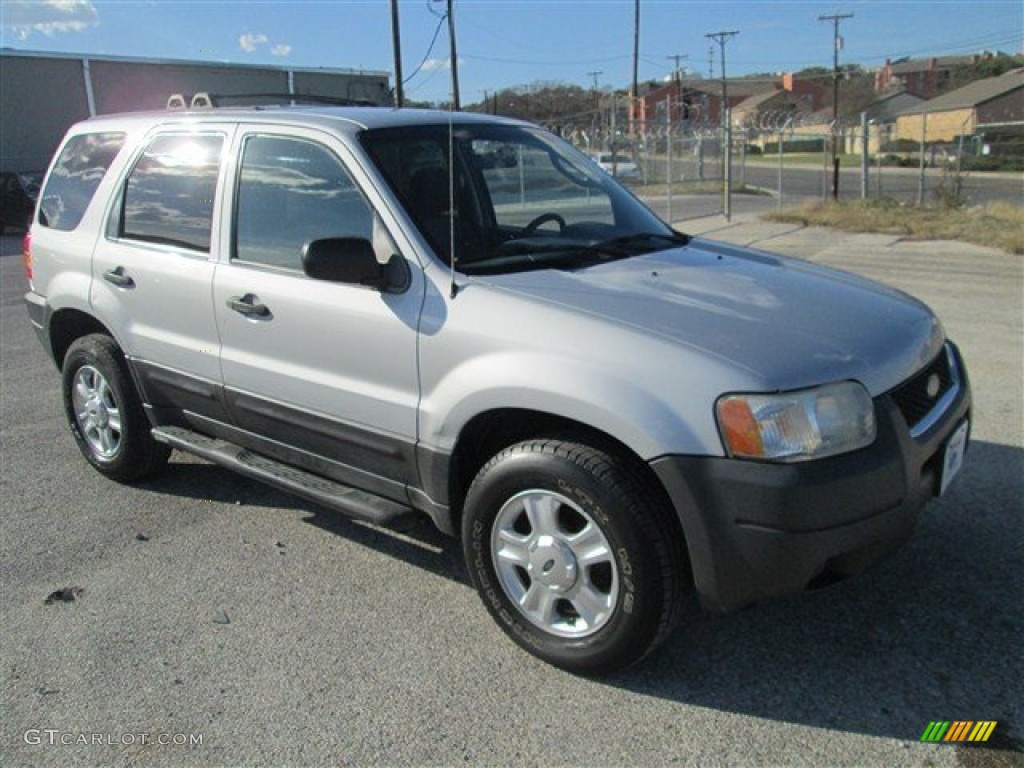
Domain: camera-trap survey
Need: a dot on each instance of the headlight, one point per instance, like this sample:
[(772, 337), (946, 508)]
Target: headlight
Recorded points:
[(797, 426)]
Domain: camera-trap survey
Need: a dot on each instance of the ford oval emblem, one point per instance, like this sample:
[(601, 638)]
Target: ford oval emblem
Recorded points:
[(933, 385)]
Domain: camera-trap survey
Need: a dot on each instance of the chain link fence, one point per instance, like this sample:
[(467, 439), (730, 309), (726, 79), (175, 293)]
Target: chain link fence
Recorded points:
[(685, 166)]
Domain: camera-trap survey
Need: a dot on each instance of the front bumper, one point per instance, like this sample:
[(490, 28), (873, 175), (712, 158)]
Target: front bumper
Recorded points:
[(757, 530)]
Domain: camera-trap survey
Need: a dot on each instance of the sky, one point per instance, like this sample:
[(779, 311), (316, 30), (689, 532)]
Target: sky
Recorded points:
[(511, 43)]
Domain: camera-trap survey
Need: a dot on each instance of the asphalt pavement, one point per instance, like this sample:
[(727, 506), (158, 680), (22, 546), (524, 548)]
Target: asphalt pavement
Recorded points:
[(274, 632)]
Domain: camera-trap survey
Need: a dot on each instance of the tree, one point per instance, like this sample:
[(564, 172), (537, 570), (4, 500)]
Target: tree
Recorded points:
[(541, 102), (990, 66)]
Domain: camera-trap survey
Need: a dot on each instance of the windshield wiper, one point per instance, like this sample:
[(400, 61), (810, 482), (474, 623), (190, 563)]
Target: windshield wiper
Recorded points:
[(641, 239), (520, 255)]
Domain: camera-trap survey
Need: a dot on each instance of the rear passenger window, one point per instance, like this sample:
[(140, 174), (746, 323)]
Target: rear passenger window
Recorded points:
[(291, 191), (72, 183), (169, 195)]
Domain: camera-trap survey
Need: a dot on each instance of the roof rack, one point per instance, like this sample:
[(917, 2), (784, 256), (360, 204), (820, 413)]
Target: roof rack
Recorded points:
[(201, 100), (207, 100)]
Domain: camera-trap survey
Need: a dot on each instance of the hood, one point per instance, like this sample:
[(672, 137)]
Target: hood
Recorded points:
[(788, 323)]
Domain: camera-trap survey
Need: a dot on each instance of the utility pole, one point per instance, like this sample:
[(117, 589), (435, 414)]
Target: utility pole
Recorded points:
[(597, 100), (396, 43), (595, 75), (722, 38), (455, 57), (634, 88), (837, 42), (677, 58), (677, 77)]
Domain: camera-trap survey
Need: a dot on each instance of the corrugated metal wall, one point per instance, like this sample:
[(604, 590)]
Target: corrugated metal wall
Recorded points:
[(39, 99), (41, 96)]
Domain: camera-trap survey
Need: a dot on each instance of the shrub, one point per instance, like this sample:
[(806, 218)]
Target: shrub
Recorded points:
[(901, 145)]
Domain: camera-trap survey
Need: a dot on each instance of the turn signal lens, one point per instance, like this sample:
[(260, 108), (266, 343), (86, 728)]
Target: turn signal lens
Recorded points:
[(740, 428)]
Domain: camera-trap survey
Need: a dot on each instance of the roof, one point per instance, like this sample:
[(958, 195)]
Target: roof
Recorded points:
[(737, 87), (888, 107), (972, 94), (354, 118), (920, 65), (756, 101)]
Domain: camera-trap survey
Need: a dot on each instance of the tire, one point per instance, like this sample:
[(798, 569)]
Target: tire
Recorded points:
[(105, 413), (572, 555)]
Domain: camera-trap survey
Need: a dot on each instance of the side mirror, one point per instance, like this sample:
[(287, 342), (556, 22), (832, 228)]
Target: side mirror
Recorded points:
[(352, 260)]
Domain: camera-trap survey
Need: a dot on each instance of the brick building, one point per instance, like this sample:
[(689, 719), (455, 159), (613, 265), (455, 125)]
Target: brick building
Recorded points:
[(922, 77), (700, 101)]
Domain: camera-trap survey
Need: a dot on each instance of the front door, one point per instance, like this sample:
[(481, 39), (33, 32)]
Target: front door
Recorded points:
[(322, 367)]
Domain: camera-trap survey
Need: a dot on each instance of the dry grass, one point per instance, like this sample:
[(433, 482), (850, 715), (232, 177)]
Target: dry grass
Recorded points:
[(999, 225)]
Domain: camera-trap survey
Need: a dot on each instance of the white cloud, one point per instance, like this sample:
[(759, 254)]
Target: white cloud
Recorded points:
[(251, 42), (49, 17), (281, 49), (433, 64)]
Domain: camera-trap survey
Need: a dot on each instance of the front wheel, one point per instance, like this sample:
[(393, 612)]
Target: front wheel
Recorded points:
[(572, 555), (104, 412)]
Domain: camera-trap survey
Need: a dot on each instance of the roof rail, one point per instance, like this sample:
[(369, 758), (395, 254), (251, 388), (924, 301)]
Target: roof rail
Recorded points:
[(175, 101), (202, 100)]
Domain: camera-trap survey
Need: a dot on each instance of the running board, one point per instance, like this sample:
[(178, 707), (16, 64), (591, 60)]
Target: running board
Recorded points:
[(347, 500)]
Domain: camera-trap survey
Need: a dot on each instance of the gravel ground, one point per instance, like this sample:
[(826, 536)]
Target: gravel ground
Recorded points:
[(274, 632)]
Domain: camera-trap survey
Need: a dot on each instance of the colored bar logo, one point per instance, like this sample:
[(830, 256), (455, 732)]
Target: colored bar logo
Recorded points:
[(958, 730)]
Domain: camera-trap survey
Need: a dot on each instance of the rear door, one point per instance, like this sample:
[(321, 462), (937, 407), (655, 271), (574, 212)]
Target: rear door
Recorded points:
[(153, 268), (326, 368)]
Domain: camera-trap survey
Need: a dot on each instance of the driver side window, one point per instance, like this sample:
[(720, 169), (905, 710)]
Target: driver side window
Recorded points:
[(292, 191)]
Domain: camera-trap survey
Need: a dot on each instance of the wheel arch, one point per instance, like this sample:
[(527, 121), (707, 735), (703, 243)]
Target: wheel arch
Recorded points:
[(67, 325), (488, 433)]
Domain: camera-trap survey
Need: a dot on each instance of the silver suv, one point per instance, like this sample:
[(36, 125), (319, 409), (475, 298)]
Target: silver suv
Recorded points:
[(397, 313)]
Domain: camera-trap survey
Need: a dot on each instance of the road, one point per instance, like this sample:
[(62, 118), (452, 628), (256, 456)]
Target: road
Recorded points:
[(279, 633), (899, 183), (802, 183)]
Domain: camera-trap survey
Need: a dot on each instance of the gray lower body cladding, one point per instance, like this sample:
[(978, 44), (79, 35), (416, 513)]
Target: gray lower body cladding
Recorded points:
[(758, 530)]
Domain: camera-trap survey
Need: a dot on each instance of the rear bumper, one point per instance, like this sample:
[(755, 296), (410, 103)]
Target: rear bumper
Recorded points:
[(38, 310), (758, 530)]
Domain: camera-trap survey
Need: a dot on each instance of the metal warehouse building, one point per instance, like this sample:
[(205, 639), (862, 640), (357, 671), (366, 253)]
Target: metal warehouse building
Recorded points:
[(41, 95)]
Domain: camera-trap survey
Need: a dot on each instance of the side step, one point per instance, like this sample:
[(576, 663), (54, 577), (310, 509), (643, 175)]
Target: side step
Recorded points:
[(347, 500)]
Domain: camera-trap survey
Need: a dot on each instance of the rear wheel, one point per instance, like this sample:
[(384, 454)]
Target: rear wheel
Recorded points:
[(572, 555), (105, 413)]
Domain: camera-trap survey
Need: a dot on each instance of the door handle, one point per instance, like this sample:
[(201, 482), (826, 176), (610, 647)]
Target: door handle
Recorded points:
[(119, 277), (249, 305)]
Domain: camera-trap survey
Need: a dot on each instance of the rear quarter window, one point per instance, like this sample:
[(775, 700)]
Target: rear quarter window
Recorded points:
[(81, 166)]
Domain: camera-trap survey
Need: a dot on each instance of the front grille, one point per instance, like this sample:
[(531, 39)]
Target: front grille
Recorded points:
[(913, 398)]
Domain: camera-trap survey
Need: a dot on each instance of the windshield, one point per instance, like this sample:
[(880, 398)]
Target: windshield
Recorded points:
[(508, 198)]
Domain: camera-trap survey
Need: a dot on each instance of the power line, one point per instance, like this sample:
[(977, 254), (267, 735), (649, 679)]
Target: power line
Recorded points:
[(430, 49)]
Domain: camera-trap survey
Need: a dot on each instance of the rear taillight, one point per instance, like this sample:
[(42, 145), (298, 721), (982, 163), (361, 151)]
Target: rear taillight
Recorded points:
[(26, 254)]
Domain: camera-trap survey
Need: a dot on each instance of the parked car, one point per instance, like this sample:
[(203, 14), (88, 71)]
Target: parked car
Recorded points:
[(18, 192), (619, 165), (374, 309)]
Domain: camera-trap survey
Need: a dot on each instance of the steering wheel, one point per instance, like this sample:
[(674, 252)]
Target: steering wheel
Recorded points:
[(544, 218)]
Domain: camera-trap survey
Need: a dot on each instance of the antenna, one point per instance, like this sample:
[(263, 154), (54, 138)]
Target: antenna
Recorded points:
[(454, 290)]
